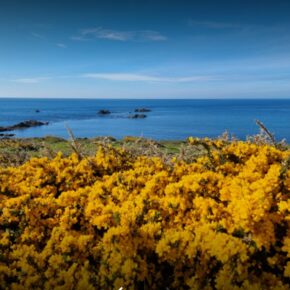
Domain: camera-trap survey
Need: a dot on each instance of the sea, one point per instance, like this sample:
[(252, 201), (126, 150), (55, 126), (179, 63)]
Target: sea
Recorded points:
[(168, 119)]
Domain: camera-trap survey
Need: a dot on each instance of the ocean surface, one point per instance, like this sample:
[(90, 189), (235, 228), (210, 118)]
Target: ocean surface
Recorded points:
[(168, 119)]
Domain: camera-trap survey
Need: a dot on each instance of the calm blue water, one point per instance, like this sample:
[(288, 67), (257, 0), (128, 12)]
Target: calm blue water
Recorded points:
[(169, 119)]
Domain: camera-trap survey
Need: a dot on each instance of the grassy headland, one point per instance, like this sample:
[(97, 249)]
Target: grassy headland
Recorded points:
[(15, 151)]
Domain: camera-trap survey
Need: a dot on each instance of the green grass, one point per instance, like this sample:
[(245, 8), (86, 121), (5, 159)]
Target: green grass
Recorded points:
[(15, 151)]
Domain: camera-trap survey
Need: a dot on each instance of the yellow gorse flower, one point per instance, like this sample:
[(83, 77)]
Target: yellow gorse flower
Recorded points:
[(113, 220)]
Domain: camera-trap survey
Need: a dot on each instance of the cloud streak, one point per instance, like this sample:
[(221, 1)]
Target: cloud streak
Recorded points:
[(115, 35), (37, 35), (128, 77), (214, 24), (34, 80), (61, 45), (119, 77)]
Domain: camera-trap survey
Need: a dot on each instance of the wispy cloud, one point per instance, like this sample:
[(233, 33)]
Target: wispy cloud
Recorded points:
[(220, 25), (150, 35), (125, 77), (61, 45), (214, 24), (120, 77), (37, 35), (146, 78), (101, 33), (33, 80)]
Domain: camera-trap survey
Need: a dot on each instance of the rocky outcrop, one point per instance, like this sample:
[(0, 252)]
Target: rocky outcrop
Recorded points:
[(137, 116), (3, 135), (104, 112), (142, 110), (23, 125)]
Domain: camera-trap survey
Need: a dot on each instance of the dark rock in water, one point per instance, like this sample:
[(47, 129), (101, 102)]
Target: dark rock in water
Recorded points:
[(37, 111), (137, 116), (3, 135), (104, 112), (23, 125), (28, 124), (142, 110)]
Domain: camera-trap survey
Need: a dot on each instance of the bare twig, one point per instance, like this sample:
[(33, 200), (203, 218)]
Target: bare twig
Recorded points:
[(267, 132), (74, 144)]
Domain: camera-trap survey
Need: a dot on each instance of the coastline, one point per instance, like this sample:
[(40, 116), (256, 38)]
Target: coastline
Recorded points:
[(168, 119), (15, 151)]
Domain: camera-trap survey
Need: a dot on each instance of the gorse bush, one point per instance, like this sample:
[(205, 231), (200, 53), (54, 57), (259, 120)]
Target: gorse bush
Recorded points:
[(114, 220)]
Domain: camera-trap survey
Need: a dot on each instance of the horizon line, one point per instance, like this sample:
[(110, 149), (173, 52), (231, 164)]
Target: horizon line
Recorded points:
[(144, 99)]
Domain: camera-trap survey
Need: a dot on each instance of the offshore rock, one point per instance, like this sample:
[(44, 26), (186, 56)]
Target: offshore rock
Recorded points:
[(23, 125), (137, 116), (142, 110), (104, 112)]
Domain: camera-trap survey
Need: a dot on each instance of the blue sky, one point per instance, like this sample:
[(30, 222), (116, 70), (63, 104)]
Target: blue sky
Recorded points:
[(145, 49)]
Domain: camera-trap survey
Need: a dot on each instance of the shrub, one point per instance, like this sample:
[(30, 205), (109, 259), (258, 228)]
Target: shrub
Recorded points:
[(113, 220)]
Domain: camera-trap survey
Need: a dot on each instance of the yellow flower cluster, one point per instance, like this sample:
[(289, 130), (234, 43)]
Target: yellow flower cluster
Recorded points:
[(113, 220)]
